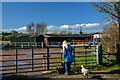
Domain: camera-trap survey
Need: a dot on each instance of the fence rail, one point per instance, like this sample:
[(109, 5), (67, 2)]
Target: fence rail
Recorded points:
[(27, 44), (41, 44), (109, 57), (47, 58)]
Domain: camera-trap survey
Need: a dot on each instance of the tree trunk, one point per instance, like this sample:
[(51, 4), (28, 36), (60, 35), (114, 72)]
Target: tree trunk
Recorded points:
[(118, 41), (118, 44)]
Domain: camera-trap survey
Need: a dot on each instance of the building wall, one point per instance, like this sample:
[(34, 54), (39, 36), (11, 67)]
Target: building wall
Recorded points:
[(97, 37), (49, 40)]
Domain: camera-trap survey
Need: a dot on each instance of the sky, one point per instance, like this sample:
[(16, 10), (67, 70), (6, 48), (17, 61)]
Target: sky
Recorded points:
[(0, 16), (58, 16)]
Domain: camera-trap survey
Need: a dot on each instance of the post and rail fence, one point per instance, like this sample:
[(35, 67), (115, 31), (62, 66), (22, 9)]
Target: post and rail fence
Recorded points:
[(41, 44)]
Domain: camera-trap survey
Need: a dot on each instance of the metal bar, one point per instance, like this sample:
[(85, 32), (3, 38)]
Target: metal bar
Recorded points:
[(54, 62), (100, 54), (22, 59), (74, 56), (83, 51), (85, 56), (47, 58), (55, 52), (54, 46), (7, 54), (15, 65), (8, 69), (61, 56), (32, 58), (55, 58), (24, 48), (7, 60), (16, 60), (21, 65), (22, 72), (40, 53), (21, 68)]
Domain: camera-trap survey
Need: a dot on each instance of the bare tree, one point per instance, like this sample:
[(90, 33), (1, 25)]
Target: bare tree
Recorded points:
[(41, 28), (30, 28), (65, 32), (109, 37), (112, 9)]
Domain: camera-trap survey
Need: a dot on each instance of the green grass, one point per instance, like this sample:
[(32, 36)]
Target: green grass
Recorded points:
[(115, 69), (104, 68), (112, 67), (83, 48), (80, 60), (89, 59)]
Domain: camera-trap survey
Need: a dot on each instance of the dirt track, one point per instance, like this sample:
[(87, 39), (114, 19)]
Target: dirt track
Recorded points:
[(56, 76)]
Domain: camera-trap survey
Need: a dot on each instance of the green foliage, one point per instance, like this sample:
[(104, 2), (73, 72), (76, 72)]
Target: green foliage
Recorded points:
[(5, 38)]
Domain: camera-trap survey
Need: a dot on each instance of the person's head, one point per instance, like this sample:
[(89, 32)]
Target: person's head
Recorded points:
[(65, 42)]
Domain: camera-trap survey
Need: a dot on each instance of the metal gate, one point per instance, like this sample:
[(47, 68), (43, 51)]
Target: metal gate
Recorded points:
[(86, 55), (24, 60)]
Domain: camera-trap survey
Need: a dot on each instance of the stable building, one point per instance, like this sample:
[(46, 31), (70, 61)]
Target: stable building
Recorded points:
[(52, 39)]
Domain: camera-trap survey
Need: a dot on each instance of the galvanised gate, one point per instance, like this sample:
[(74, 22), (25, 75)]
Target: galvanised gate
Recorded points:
[(24, 60)]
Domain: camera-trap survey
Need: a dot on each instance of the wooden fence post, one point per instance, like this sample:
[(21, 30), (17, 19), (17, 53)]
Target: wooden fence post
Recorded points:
[(47, 58), (42, 44)]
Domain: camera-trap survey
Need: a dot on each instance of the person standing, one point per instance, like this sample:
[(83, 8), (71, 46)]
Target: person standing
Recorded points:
[(68, 57)]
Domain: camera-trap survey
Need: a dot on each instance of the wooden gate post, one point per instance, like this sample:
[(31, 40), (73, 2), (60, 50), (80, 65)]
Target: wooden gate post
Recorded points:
[(42, 44), (99, 55)]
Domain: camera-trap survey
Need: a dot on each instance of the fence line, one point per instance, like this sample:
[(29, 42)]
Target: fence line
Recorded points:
[(41, 44), (27, 44), (109, 57)]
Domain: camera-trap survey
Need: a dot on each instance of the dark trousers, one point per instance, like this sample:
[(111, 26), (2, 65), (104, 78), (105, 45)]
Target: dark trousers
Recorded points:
[(67, 67)]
